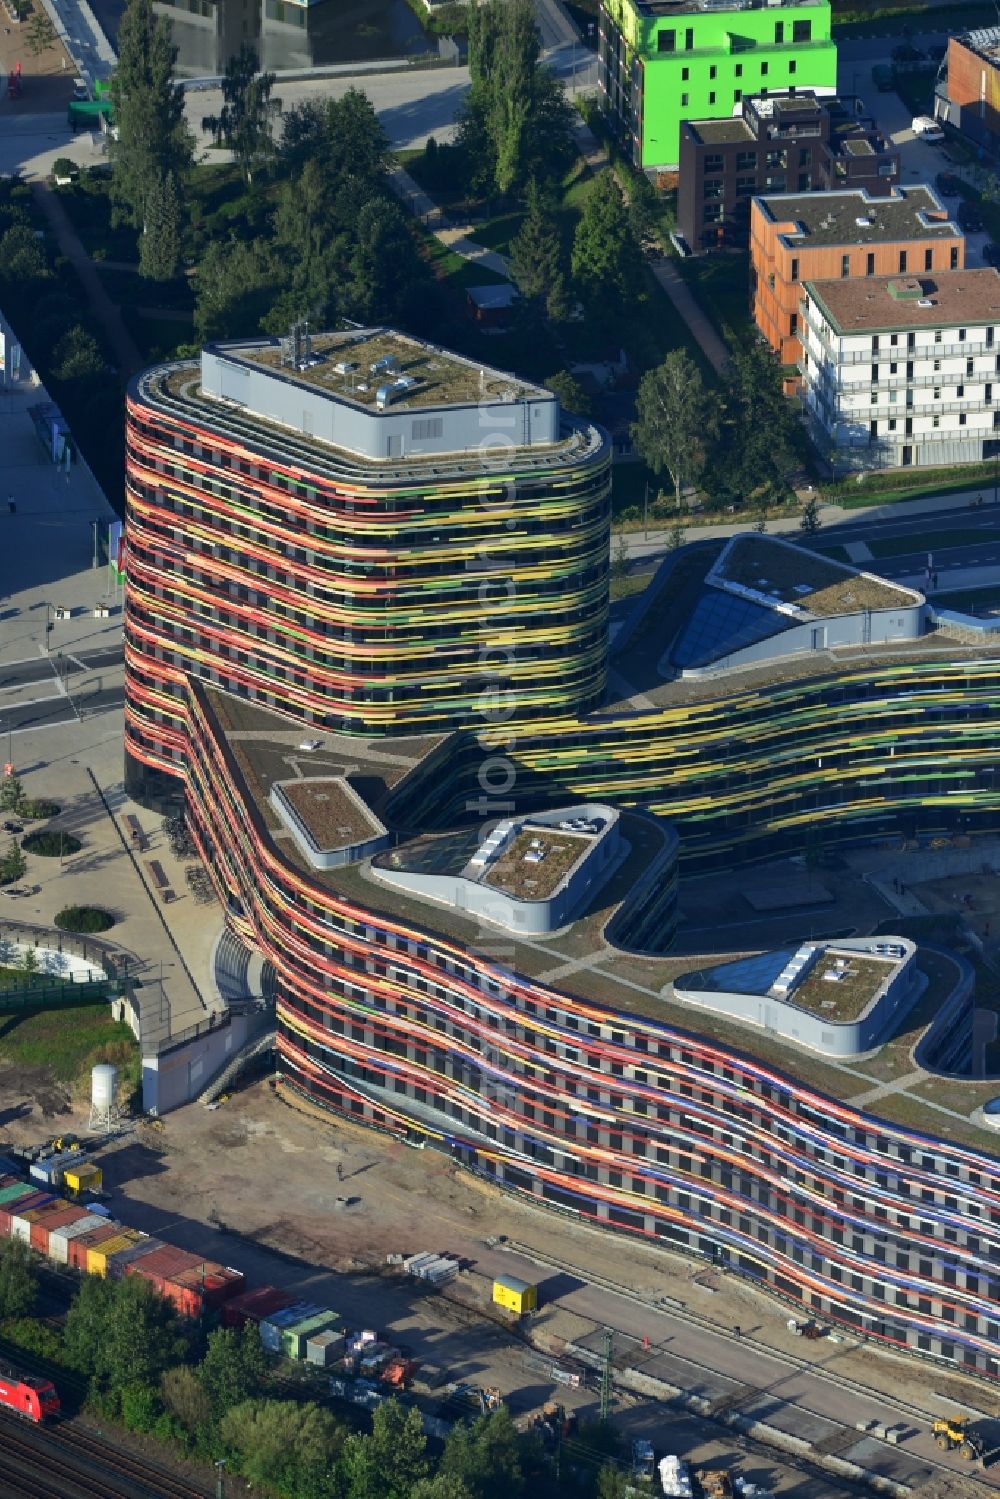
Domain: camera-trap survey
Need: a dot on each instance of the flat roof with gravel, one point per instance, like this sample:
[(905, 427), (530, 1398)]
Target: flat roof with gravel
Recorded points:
[(855, 218)]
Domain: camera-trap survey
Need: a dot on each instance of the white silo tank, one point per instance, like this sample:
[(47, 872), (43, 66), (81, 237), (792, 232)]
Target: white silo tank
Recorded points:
[(103, 1095)]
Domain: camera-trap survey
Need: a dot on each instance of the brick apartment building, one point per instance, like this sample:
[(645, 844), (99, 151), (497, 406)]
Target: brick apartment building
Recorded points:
[(796, 237), (779, 143)]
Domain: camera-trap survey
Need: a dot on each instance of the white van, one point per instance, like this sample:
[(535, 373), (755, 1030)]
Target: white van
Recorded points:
[(926, 128)]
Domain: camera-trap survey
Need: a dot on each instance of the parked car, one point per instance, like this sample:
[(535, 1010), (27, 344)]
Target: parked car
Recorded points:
[(926, 128), (969, 217), (12, 827), (947, 184), (907, 53), (882, 78), (991, 254)]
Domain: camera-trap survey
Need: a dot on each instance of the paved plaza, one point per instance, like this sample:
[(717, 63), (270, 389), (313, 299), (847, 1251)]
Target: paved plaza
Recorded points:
[(61, 723)]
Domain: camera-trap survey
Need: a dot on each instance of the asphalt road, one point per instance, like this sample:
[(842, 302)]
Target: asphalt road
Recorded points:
[(44, 668)]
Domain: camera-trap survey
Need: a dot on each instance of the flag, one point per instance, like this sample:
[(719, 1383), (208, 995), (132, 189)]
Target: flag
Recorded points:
[(116, 550)]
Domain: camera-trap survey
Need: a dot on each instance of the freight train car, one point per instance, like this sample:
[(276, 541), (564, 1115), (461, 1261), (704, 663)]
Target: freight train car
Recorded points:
[(30, 1396)]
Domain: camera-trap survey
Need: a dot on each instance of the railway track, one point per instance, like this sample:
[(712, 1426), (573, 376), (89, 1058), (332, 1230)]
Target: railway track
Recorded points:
[(31, 1470)]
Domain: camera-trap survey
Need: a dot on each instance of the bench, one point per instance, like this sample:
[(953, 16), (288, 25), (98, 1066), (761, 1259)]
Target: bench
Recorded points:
[(136, 837), (160, 880)]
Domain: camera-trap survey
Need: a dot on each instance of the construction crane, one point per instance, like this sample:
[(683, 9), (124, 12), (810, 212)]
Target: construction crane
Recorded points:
[(955, 1432)]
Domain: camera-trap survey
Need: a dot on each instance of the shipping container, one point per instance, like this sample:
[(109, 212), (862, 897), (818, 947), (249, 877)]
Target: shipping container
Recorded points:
[(61, 1238), (52, 1169), (165, 1263), (517, 1296), (294, 1338), (97, 1258), (324, 1347), (255, 1305), (13, 1189), (187, 1300), (272, 1327), (20, 1226), (83, 1243), (215, 1282), (118, 1263), (85, 1178), (57, 1215)]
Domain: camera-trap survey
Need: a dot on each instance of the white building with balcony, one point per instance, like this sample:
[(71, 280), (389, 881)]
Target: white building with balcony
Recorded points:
[(903, 370)]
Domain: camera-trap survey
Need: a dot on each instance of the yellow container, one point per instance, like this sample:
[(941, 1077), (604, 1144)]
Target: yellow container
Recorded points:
[(97, 1258), (85, 1178), (517, 1296)]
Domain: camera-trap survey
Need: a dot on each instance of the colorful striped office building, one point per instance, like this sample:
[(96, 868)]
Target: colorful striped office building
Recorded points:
[(365, 531), (260, 585)]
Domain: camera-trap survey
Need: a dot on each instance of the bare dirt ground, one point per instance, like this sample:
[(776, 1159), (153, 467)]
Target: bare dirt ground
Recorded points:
[(255, 1183)]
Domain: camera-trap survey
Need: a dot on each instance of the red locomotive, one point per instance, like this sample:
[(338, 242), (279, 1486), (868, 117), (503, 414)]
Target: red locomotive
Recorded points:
[(27, 1395)]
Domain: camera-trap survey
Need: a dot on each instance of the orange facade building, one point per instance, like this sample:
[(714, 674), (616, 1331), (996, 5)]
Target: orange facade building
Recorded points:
[(972, 90), (796, 237)]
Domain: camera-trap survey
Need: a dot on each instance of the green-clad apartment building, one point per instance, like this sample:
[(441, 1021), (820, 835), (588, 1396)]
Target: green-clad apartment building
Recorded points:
[(664, 61)]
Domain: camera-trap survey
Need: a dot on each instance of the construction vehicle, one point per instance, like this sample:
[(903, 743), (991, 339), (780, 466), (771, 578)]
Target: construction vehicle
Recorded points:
[(398, 1373), (642, 1461), (953, 1433), (715, 1483)]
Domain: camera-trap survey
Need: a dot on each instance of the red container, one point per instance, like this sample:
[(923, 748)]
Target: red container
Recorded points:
[(216, 1283), (78, 1247), (168, 1261), (255, 1305), (186, 1299)]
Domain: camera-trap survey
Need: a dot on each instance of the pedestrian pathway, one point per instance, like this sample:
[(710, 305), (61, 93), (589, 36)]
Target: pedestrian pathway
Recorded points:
[(687, 307), (126, 353), (454, 237)]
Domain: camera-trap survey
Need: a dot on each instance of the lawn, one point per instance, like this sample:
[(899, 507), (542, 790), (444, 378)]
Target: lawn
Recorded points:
[(70, 1042), (929, 541), (892, 486), (850, 18), (721, 283)]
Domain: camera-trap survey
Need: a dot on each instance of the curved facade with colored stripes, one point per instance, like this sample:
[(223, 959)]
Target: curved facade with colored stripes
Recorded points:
[(846, 755), (613, 1116), (368, 597)]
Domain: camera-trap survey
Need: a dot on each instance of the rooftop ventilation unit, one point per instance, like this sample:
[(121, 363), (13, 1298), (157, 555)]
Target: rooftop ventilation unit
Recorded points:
[(925, 302), (862, 222), (384, 365)]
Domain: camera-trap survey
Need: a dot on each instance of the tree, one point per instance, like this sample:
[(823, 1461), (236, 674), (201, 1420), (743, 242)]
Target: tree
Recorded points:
[(390, 1462), (571, 393), (185, 1397), (77, 357), (122, 1333), (612, 1483), (515, 121), (759, 428), (486, 1456), (13, 864), (160, 241), (606, 263), (22, 258), (441, 1486), (40, 33), (235, 286), (18, 1279), (29, 961), (11, 793), (152, 135), (537, 261), (675, 536), (233, 1369), (674, 420), (384, 264), (246, 123), (281, 1444), (809, 523)]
